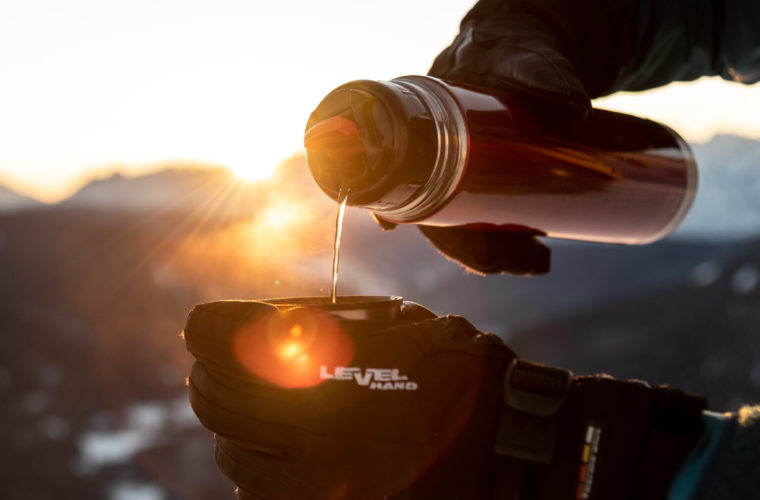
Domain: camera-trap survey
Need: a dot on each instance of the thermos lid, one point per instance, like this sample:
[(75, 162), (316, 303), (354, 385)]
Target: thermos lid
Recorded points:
[(375, 138)]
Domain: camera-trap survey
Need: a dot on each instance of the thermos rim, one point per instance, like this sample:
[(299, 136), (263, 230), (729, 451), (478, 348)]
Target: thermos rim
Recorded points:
[(453, 150), (690, 190)]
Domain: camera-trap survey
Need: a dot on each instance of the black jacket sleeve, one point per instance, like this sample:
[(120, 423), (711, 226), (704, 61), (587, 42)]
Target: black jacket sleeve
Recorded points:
[(567, 51), (686, 39)]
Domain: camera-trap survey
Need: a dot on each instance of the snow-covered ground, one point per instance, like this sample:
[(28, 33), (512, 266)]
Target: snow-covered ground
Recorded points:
[(146, 425)]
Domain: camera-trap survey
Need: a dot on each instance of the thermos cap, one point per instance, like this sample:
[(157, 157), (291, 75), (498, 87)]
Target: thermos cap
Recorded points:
[(376, 139)]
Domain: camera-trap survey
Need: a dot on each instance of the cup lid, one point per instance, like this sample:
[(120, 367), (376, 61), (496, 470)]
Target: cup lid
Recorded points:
[(360, 307)]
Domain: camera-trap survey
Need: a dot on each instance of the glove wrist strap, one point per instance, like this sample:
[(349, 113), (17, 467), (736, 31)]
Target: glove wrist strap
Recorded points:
[(529, 423)]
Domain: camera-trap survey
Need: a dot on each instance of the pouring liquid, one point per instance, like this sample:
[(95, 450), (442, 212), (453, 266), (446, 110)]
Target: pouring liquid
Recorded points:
[(342, 199)]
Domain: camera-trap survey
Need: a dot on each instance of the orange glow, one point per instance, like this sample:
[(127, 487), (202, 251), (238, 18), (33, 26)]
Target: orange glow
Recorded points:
[(287, 348), (281, 216), (253, 173)]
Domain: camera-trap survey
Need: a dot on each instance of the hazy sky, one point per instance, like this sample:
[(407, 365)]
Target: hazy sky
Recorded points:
[(88, 87)]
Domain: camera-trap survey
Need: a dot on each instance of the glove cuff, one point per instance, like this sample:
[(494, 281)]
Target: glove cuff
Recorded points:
[(590, 437)]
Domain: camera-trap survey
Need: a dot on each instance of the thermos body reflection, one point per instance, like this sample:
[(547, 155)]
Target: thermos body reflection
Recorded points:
[(436, 152)]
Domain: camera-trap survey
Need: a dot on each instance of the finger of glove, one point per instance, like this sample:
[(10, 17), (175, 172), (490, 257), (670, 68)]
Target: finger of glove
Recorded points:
[(359, 470), (518, 55), (384, 224), (412, 311), (491, 252), (243, 494), (411, 358), (210, 330), (243, 415)]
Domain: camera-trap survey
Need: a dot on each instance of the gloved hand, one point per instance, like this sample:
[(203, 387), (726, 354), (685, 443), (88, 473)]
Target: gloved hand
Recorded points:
[(306, 405), (491, 252), (556, 52), (561, 52), (591, 437), (413, 416), (486, 252)]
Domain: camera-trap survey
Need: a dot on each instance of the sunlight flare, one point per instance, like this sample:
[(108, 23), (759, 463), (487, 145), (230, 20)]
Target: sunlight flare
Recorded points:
[(281, 216), (288, 347), (253, 173)]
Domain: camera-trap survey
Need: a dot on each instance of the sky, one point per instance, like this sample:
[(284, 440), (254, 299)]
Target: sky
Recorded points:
[(89, 87)]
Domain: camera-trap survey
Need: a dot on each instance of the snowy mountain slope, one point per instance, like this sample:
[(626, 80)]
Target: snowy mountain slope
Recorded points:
[(11, 201), (179, 189), (727, 205)]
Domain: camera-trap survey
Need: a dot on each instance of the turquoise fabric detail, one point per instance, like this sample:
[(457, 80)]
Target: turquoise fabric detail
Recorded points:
[(693, 468)]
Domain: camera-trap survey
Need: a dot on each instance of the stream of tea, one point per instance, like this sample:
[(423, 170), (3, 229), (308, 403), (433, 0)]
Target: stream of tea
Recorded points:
[(342, 199)]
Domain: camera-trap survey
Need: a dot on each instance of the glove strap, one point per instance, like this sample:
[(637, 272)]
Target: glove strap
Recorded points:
[(532, 397)]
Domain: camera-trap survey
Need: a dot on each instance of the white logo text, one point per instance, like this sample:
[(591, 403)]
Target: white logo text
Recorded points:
[(382, 379)]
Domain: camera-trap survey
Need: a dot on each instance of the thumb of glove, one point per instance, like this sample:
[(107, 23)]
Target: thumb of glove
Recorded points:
[(515, 51), (491, 252)]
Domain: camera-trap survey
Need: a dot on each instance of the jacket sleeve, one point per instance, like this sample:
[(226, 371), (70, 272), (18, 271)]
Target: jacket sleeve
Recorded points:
[(686, 39), (736, 472), (725, 463)]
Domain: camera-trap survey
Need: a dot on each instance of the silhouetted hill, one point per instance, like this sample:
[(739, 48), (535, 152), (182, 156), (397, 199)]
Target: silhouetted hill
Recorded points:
[(214, 191), (727, 205), (698, 333), (12, 201)]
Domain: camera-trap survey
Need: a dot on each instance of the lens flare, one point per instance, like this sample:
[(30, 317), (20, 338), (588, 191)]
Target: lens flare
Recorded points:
[(288, 347), (289, 350), (280, 216)]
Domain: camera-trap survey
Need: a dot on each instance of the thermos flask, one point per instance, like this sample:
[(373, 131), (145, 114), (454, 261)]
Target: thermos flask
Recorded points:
[(421, 150)]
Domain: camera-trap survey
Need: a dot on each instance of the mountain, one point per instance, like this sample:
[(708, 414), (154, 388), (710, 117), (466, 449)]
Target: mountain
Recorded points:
[(188, 189), (175, 189), (727, 205), (12, 201), (698, 334)]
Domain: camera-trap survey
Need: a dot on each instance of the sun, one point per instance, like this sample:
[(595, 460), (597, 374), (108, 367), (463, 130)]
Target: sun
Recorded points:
[(251, 172)]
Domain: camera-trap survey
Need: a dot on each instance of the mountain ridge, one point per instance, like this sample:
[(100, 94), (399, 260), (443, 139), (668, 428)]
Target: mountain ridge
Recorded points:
[(727, 204), (14, 201)]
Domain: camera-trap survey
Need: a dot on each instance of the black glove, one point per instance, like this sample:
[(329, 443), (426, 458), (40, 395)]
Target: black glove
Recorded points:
[(428, 408), (555, 52), (486, 252), (562, 52), (590, 437), (490, 252), (414, 416)]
